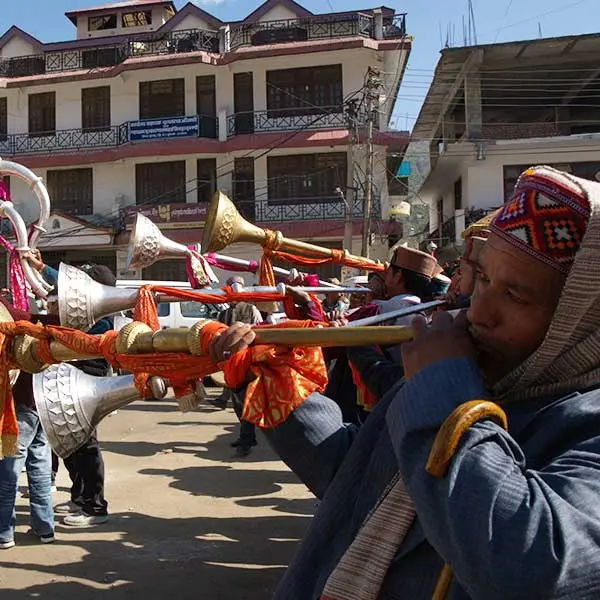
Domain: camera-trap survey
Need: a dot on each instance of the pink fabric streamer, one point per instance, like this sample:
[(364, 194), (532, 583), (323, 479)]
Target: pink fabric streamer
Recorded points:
[(17, 284), (211, 259)]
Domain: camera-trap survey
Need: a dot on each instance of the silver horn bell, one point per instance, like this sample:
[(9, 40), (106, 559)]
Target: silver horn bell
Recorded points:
[(147, 245), (70, 403)]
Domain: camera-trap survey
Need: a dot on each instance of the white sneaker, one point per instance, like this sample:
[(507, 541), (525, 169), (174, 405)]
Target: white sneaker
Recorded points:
[(67, 508), (83, 520), (7, 545)]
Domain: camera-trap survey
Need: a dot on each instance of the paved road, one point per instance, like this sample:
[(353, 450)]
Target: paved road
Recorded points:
[(187, 519)]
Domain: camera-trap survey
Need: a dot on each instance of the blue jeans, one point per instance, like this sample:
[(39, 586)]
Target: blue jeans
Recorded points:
[(34, 453)]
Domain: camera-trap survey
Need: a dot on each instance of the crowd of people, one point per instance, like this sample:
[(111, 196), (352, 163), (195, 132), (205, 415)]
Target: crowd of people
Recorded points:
[(506, 374)]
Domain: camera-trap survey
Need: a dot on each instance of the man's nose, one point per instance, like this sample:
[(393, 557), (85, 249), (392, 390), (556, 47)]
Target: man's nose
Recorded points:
[(484, 310)]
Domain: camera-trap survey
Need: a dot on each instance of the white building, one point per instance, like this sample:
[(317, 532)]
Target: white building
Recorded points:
[(152, 109), (492, 111)]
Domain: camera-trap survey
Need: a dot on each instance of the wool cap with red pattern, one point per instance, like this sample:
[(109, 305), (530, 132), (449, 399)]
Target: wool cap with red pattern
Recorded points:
[(546, 217)]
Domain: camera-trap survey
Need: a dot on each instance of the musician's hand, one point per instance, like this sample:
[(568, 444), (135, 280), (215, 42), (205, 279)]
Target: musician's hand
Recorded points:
[(450, 298), (34, 259), (238, 337), (294, 278), (336, 318), (444, 338), (299, 297)]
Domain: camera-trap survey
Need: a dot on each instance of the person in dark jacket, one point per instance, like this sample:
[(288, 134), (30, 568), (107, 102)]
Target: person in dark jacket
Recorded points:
[(87, 506)]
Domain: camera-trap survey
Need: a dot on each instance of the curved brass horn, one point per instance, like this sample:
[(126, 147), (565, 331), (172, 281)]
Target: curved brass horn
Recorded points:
[(224, 226), (148, 244)]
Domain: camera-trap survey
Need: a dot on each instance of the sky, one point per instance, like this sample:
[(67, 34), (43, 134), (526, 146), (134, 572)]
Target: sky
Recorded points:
[(428, 21)]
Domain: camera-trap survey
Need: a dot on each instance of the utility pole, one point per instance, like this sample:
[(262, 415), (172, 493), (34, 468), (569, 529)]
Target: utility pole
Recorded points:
[(372, 95), (348, 198)]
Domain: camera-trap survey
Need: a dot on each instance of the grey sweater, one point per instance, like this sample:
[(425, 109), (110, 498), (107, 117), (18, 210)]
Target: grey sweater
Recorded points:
[(517, 517)]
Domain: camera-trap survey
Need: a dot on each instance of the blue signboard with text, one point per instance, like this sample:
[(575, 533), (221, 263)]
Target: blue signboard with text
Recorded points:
[(160, 129)]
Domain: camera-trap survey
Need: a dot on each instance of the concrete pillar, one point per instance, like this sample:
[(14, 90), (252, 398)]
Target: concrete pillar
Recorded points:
[(191, 177), (223, 125), (473, 108), (378, 23), (225, 39), (190, 95), (122, 271)]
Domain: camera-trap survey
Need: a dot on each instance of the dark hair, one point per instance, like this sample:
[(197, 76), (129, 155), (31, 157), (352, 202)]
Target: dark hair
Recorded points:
[(415, 283), (100, 273)]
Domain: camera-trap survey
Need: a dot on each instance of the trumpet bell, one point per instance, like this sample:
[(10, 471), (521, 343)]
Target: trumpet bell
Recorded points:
[(83, 301), (147, 244), (224, 225), (71, 404)]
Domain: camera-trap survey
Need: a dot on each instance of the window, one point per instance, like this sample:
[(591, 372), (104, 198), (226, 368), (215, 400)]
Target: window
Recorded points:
[(137, 19), (102, 22), (207, 179), (71, 190), (243, 102), (304, 91), (195, 310), (397, 183), (458, 199), (164, 98), (243, 187), (305, 177), (95, 108), (3, 119), (42, 114), (206, 105), (160, 183)]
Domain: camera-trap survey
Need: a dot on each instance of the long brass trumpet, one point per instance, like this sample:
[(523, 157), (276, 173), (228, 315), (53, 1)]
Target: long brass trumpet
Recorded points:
[(83, 301), (147, 245), (224, 226)]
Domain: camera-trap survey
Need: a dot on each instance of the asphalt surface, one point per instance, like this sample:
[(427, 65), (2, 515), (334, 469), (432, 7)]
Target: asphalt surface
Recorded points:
[(187, 518)]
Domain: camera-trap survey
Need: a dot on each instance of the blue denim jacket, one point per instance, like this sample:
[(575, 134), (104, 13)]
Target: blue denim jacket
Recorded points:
[(517, 516)]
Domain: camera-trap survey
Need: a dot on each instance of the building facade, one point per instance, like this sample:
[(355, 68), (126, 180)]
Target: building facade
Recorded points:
[(494, 110), (152, 109)]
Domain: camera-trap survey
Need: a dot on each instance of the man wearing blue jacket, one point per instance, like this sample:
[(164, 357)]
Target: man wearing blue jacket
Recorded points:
[(517, 515)]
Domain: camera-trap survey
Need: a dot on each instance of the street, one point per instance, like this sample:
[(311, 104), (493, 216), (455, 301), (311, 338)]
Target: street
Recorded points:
[(187, 519)]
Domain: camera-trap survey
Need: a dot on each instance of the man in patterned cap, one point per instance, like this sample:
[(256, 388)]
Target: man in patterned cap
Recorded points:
[(517, 514)]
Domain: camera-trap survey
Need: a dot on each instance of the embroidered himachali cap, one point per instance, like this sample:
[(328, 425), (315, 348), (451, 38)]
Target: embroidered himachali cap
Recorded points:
[(546, 217), (416, 261)]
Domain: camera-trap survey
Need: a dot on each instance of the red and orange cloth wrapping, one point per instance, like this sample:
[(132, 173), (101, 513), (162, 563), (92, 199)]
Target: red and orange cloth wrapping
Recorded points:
[(297, 371)]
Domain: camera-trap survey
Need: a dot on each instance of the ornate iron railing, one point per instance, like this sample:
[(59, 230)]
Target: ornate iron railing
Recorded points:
[(449, 231), (192, 40), (395, 27), (317, 209), (301, 30), (109, 137), (289, 119), (173, 42)]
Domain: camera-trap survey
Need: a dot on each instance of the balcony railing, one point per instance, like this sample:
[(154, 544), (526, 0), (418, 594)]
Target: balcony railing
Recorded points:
[(228, 39), (109, 137), (173, 42), (326, 117), (317, 209), (301, 30), (449, 231)]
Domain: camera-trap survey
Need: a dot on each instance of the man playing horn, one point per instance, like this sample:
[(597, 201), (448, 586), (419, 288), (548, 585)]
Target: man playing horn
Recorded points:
[(517, 514)]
